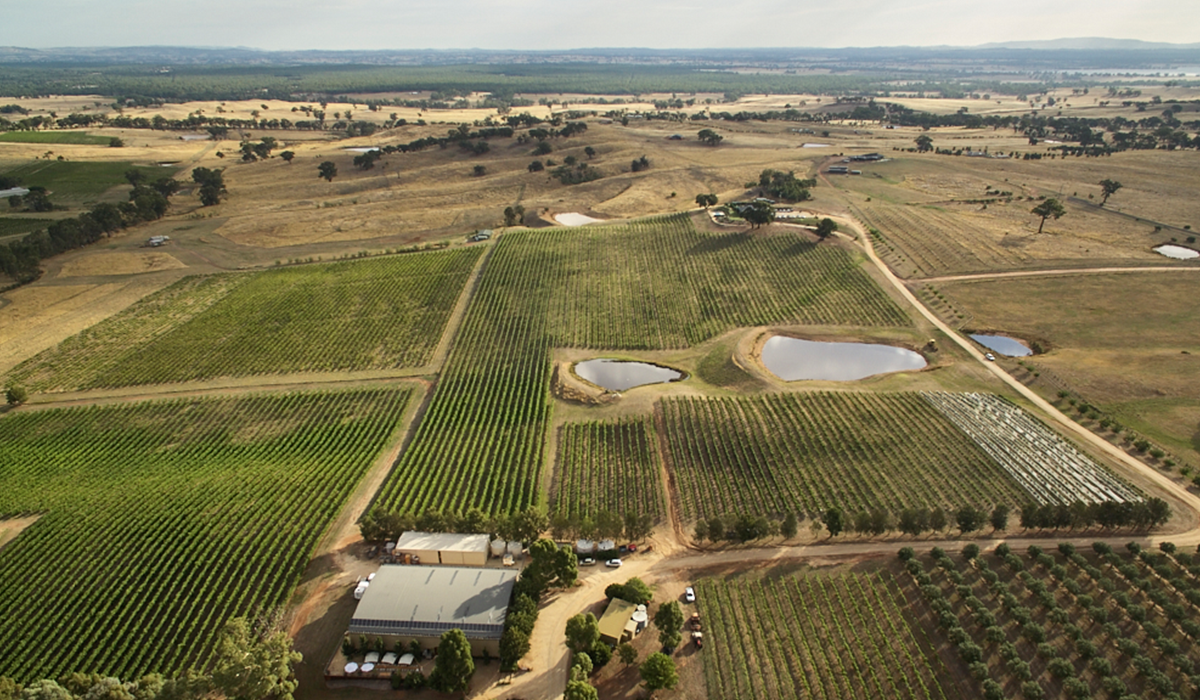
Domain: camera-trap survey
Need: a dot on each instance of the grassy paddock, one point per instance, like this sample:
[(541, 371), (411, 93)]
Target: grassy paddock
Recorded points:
[(55, 137), (1129, 343), (164, 519), (79, 182)]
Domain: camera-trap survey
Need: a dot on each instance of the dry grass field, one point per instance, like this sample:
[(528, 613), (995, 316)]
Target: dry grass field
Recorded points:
[(1128, 342)]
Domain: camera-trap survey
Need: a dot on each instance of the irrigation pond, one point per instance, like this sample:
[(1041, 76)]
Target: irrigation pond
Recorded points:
[(622, 375), (1177, 252), (793, 359), (1009, 347)]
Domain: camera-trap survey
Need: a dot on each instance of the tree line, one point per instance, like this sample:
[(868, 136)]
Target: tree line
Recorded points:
[(253, 659), (527, 526), (21, 259), (1110, 515)]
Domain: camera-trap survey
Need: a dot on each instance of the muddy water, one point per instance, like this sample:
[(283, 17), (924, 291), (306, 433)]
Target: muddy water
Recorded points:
[(1177, 252), (1010, 347), (572, 218), (792, 359), (620, 375)]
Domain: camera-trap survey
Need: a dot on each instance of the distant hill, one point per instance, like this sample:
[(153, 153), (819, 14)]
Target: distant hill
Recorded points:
[(1088, 44)]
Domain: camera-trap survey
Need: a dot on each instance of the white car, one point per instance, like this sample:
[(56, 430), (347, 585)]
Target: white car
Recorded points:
[(613, 563), (989, 357), (689, 594)]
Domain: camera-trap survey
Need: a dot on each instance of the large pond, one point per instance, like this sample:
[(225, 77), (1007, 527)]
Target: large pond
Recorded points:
[(815, 145), (792, 359), (1010, 347), (1177, 252), (360, 149), (573, 218), (620, 375)]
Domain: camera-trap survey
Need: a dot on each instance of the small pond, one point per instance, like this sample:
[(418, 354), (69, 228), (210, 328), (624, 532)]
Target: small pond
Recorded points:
[(620, 375), (815, 145), (573, 218), (195, 137), (1009, 347), (1176, 252), (361, 149), (791, 359)]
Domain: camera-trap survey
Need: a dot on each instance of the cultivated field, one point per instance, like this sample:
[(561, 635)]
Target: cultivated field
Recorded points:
[(611, 466), (483, 437), (1105, 624), (163, 519), (1048, 467), (808, 452), (838, 636), (382, 313)]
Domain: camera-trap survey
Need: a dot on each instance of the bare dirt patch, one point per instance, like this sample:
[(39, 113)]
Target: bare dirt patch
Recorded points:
[(10, 528), (121, 263)]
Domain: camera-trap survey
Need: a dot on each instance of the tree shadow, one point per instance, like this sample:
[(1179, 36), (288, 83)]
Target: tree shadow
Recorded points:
[(718, 243)]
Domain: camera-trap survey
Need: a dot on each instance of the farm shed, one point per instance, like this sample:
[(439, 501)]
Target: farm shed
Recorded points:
[(445, 548), (615, 623), (420, 602)]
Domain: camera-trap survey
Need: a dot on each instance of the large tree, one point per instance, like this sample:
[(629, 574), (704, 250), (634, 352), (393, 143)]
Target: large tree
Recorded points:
[(658, 672), (924, 143), (834, 521), (252, 665), (669, 621), (758, 214), (453, 665), (212, 185), (706, 200), (327, 170), (710, 137), (1049, 209), (1109, 187), (582, 632), (826, 228)]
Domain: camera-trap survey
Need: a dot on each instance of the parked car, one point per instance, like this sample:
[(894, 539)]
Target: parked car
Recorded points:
[(632, 547), (587, 561), (613, 563), (689, 594), (990, 357)]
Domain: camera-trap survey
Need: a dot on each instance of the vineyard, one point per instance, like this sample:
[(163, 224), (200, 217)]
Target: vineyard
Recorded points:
[(651, 284), (1108, 624), (381, 313), (1040, 460), (163, 519), (936, 242), (829, 637), (659, 283), (781, 453), (611, 466)]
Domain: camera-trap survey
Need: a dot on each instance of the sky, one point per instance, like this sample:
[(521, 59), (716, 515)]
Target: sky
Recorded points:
[(565, 24)]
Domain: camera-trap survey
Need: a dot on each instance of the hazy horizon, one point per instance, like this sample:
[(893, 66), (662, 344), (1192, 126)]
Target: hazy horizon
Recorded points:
[(534, 25)]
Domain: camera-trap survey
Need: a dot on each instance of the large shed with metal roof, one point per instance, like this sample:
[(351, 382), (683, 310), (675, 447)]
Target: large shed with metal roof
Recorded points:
[(445, 548), (404, 603)]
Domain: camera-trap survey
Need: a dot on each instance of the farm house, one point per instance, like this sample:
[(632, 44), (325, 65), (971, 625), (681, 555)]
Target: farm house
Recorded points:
[(444, 548), (617, 624), (419, 602)]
